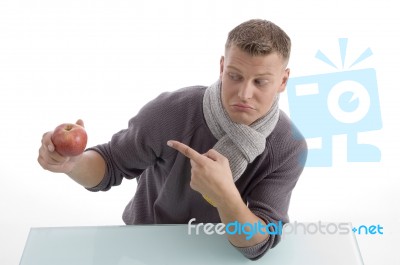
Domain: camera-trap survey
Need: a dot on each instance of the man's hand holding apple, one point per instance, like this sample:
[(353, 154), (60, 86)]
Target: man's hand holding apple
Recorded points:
[(63, 147)]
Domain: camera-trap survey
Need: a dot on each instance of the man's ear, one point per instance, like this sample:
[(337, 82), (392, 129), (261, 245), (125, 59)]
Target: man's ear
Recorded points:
[(221, 67), (285, 79)]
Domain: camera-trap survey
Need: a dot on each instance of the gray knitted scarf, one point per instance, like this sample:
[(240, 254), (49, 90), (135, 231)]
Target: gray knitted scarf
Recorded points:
[(239, 143)]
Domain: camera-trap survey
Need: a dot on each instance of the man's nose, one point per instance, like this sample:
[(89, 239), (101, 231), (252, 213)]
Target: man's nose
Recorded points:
[(246, 91)]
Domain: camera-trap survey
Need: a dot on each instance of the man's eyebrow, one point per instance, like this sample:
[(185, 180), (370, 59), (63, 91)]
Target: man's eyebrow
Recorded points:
[(264, 74), (234, 68), (238, 70)]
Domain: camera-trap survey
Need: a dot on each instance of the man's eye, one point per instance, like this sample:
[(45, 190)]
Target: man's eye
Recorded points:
[(234, 77), (261, 82)]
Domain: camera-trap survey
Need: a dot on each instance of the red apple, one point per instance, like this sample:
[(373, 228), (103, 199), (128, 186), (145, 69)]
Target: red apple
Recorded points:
[(69, 139)]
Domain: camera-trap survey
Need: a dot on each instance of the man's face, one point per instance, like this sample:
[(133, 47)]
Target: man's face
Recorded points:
[(250, 84)]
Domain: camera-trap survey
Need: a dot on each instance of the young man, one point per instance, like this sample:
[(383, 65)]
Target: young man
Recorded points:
[(221, 153)]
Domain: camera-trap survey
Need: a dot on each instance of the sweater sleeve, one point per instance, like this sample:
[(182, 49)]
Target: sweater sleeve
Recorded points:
[(270, 198), (143, 143), (132, 150)]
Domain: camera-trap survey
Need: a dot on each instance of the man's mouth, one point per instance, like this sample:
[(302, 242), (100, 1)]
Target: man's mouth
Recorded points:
[(242, 106)]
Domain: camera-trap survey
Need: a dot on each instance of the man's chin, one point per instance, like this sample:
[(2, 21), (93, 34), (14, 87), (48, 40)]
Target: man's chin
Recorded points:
[(242, 119)]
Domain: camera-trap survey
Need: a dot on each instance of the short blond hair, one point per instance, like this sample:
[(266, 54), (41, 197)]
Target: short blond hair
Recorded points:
[(260, 37)]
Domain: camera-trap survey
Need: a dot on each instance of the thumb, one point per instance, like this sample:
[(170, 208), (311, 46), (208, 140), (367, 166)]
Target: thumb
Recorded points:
[(80, 122), (213, 155)]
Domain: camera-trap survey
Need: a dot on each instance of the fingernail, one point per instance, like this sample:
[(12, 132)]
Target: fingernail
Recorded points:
[(169, 143), (50, 147)]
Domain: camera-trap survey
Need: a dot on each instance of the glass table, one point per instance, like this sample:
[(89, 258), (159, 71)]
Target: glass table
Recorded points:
[(172, 244)]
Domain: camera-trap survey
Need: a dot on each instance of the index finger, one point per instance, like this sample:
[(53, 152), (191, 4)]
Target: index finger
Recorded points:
[(186, 151)]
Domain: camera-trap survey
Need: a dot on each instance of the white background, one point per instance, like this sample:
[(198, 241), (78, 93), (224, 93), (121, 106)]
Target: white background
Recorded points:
[(102, 60)]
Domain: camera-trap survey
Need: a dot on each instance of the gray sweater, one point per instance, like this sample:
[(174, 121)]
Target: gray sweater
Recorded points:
[(163, 194)]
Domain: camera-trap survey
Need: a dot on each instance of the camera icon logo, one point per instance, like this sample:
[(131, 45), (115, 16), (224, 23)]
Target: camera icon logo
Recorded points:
[(345, 102)]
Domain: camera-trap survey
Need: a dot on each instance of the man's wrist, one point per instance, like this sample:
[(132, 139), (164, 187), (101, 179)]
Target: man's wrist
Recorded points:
[(231, 201)]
